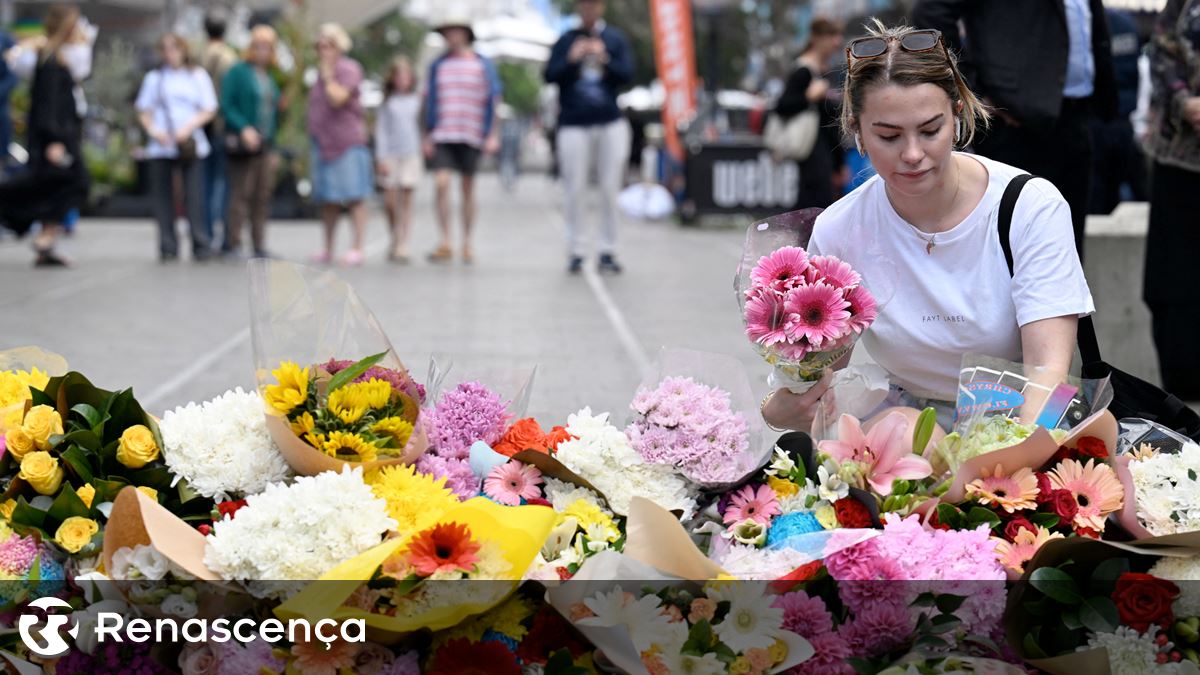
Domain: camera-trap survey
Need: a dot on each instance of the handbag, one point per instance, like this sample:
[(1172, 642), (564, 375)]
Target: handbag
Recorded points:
[(793, 138), (186, 149), (236, 148), (1132, 396)]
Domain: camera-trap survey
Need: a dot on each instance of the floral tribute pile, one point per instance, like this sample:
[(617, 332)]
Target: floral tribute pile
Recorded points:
[(451, 529)]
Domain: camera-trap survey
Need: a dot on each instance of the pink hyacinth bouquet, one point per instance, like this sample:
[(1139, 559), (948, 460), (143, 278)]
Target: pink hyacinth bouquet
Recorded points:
[(803, 312)]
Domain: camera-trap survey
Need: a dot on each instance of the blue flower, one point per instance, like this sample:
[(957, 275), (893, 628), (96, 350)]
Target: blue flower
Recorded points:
[(791, 525)]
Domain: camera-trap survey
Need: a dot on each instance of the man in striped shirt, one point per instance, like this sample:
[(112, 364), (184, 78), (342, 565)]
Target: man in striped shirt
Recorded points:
[(460, 115)]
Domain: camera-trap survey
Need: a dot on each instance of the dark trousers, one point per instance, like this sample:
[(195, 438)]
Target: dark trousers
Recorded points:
[(1172, 248), (1062, 155), (163, 187), (1117, 164), (250, 180), (216, 190)]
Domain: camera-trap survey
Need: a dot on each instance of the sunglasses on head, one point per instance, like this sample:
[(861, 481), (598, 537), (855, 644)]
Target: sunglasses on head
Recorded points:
[(913, 41)]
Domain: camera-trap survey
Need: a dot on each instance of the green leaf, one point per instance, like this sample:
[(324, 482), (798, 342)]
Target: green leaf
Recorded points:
[(108, 488), (700, 638), (348, 375), (24, 514), (85, 439), (90, 415), (923, 430), (1099, 615), (1046, 520), (40, 398), (76, 460), (1056, 584), (67, 504), (924, 600), (1032, 649), (932, 642), (1192, 474), (862, 666), (950, 516), (949, 604), (983, 641), (560, 663), (1104, 577), (979, 516), (945, 623), (1071, 620)]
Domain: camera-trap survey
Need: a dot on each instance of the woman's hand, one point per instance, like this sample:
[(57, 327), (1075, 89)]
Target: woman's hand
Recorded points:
[(250, 138), (786, 410), (56, 153)]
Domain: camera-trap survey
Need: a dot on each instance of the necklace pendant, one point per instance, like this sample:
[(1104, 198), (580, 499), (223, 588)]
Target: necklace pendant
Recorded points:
[(929, 247)]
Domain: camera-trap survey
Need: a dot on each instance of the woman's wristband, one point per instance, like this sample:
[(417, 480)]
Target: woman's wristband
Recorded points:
[(762, 408)]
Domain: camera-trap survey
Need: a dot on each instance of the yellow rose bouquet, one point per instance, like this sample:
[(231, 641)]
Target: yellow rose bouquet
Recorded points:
[(322, 410), (69, 453)]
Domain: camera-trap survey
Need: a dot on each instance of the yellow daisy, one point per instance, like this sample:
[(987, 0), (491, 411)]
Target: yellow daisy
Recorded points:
[(414, 500), (398, 428)]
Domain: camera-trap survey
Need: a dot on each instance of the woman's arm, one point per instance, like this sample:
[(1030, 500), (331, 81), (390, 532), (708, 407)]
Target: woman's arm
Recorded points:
[(206, 104), (1048, 346)]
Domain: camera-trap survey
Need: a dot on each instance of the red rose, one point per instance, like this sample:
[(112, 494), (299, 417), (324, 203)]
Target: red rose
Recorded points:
[(1090, 446), (537, 501), (1061, 455), (1064, 505), (230, 508), (1014, 527), (851, 513), (935, 521), (1044, 488), (802, 573), (204, 529), (1087, 532), (524, 434), (1143, 599)]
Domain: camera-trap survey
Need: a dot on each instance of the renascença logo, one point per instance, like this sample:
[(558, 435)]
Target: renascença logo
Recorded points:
[(46, 641)]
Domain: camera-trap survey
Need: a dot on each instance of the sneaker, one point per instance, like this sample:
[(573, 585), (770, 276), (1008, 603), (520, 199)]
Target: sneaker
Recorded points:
[(48, 258), (609, 264), (575, 266), (353, 258), (263, 253)]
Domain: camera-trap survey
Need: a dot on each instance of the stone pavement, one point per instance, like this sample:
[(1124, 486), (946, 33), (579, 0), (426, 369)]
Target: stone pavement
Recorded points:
[(180, 332)]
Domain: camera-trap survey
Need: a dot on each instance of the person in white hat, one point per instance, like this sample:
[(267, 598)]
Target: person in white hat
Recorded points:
[(460, 124)]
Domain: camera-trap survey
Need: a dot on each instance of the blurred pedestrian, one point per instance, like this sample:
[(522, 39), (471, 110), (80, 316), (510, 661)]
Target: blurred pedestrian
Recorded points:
[(591, 64), (341, 165), (460, 124), (174, 103), (398, 151), (55, 181), (8, 82), (1045, 68), (1118, 167), (807, 89), (218, 58), (250, 106), (1173, 242)]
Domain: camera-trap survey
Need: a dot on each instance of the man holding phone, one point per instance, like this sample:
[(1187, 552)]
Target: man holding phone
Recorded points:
[(590, 64)]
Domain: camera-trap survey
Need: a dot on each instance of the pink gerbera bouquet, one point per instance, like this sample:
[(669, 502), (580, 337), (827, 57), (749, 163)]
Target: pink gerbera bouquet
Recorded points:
[(803, 312)]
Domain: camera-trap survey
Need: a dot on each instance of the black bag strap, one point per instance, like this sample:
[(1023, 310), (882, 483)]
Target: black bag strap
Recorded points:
[(1089, 345)]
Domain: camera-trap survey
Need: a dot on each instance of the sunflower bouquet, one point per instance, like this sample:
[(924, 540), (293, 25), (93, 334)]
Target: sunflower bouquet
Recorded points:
[(356, 412)]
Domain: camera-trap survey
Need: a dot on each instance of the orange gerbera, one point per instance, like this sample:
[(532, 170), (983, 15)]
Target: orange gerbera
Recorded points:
[(1017, 492), (446, 547), (1096, 488), (1015, 554)]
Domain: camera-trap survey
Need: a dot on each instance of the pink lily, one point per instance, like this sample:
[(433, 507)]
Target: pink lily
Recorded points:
[(885, 452)]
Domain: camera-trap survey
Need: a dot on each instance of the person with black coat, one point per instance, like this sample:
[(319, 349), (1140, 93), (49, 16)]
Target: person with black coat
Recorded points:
[(56, 180), (1045, 67)]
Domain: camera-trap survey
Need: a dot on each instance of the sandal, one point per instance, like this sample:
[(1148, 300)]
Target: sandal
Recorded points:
[(468, 256), (441, 254), (353, 258)]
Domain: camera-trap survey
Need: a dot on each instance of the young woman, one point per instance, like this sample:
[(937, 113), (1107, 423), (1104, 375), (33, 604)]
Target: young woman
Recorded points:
[(930, 217), (57, 180), (173, 104), (398, 152), (342, 176), (250, 104)]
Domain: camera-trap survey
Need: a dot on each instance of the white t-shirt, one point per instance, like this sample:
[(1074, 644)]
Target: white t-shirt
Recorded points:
[(183, 93), (957, 298)]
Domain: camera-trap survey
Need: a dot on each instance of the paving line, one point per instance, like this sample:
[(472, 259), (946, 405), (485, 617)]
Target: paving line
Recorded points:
[(620, 325), (206, 360), (194, 369)]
